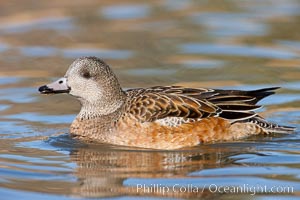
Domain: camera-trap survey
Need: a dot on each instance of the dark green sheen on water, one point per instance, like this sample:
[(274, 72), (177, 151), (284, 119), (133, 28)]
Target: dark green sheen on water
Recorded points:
[(219, 44)]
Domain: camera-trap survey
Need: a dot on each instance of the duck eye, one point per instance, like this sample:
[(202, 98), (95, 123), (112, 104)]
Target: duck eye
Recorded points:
[(86, 75)]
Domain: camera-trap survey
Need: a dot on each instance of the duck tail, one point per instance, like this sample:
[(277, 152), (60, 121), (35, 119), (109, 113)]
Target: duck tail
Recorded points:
[(262, 93), (251, 97)]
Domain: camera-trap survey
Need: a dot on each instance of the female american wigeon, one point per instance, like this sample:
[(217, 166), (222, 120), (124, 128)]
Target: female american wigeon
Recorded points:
[(160, 117)]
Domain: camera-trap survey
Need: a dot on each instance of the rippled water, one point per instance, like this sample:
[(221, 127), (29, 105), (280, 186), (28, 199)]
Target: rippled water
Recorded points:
[(220, 44)]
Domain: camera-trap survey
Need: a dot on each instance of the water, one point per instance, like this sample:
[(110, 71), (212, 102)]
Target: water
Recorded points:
[(219, 44)]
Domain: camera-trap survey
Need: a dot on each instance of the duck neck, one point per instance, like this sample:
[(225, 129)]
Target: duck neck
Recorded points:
[(107, 106)]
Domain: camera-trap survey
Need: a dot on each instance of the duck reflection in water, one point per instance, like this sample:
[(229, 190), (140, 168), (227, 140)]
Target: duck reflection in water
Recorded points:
[(104, 171)]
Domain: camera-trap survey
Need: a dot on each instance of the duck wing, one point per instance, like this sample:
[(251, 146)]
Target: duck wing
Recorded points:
[(159, 102)]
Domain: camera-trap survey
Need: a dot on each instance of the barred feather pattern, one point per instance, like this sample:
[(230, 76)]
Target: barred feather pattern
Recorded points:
[(155, 103), (174, 105)]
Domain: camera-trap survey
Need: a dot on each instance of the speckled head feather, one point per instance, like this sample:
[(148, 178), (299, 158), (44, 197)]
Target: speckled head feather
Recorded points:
[(160, 117), (95, 85)]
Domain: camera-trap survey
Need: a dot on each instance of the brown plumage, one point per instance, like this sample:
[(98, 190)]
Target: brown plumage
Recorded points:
[(161, 117), (159, 102)]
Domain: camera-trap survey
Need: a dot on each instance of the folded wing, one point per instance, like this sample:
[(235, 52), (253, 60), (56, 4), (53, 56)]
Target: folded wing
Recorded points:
[(158, 102)]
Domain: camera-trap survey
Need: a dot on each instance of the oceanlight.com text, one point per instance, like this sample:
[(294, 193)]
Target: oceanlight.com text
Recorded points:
[(214, 188)]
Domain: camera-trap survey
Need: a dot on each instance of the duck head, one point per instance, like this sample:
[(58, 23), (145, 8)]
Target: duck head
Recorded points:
[(92, 82)]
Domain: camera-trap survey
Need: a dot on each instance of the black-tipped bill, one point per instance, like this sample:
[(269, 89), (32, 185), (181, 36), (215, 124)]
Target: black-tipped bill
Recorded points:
[(59, 86)]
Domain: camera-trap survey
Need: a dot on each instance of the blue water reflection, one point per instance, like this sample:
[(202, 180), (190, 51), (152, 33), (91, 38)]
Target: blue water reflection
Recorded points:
[(202, 64), (103, 53), (236, 50), (38, 51), (231, 24), (3, 47), (17, 95), (48, 23), (122, 12), (35, 117)]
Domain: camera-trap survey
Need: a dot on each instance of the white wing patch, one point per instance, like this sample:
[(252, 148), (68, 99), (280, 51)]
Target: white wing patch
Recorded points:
[(175, 121)]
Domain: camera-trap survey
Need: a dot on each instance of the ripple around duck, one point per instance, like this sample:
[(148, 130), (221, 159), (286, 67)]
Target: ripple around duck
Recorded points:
[(288, 116), (48, 119), (37, 160), (13, 129), (268, 157), (26, 168), (9, 194), (61, 143), (34, 172), (249, 170), (236, 50)]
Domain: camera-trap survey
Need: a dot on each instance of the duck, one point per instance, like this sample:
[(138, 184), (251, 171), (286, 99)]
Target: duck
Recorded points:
[(158, 117)]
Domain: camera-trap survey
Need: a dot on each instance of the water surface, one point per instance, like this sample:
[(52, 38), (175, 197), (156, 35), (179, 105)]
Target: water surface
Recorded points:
[(219, 44)]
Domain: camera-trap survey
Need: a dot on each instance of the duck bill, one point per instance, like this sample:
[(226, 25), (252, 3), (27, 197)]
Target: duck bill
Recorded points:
[(59, 86)]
